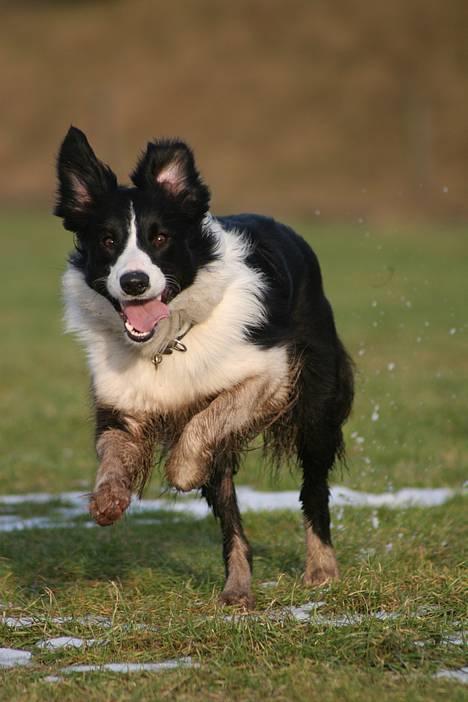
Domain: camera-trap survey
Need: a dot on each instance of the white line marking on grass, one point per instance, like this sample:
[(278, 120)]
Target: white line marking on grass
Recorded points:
[(132, 667), (460, 675), (28, 622), (60, 642), (14, 523), (256, 500), (457, 639), (17, 622), (41, 498), (307, 613), (11, 657), (302, 613), (89, 620), (249, 500), (406, 497), (352, 619)]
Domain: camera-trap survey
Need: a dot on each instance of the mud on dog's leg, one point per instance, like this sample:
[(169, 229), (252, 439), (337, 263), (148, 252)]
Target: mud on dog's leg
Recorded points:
[(232, 412), (124, 446)]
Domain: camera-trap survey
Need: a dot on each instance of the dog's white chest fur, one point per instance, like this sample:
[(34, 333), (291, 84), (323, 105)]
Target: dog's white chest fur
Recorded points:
[(133, 384), (224, 299)]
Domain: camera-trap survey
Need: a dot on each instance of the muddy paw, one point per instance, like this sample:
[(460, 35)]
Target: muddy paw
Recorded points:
[(237, 598), (108, 503), (187, 474), (187, 482)]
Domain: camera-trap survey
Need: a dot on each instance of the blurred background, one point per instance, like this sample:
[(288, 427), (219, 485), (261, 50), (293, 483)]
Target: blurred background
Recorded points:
[(345, 119), (343, 109)]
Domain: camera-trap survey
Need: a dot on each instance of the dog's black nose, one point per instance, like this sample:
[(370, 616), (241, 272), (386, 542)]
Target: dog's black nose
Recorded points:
[(134, 282)]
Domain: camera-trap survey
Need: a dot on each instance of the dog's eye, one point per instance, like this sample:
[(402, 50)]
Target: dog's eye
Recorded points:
[(108, 243), (159, 240)]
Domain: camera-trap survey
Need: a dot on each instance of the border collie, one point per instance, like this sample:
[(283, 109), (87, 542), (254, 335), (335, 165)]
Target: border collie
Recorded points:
[(201, 333)]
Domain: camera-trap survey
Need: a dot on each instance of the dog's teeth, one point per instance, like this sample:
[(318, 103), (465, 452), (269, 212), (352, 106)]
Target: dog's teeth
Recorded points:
[(134, 332)]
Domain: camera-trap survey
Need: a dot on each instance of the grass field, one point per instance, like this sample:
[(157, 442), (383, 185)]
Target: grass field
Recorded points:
[(401, 310)]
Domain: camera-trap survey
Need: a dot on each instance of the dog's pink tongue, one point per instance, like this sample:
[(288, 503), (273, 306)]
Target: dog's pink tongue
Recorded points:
[(143, 316)]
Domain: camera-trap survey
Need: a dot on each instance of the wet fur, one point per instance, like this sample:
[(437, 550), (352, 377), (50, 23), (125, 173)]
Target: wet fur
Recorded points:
[(263, 355)]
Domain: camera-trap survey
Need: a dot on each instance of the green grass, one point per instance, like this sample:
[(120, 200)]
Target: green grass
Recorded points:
[(398, 296)]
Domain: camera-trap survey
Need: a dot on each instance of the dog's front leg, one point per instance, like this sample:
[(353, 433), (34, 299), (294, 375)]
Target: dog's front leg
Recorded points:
[(233, 412), (124, 447)]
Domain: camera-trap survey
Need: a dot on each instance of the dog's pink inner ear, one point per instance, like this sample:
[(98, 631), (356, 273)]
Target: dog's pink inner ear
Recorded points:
[(80, 192), (172, 177)]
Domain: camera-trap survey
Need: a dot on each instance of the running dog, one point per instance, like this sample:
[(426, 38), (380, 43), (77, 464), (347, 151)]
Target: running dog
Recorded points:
[(201, 333)]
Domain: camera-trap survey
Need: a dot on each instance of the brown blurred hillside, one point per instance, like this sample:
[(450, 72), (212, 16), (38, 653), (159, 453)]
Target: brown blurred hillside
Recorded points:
[(352, 108)]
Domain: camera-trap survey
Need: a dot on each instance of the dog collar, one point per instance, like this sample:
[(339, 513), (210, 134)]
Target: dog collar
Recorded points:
[(174, 345)]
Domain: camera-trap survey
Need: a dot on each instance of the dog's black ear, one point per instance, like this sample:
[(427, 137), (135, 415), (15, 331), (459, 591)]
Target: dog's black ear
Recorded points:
[(169, 165), (82, 179)]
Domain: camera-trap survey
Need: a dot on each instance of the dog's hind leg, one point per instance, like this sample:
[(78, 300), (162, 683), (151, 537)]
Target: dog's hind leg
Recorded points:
[(221, 496), (125, 449), (323, 406), (317, 458)]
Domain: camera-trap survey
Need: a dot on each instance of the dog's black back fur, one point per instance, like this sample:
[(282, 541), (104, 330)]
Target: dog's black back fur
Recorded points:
[(299, 316)]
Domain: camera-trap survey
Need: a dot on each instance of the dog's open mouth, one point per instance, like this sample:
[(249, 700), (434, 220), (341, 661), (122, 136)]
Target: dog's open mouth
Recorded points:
[(141, 317)]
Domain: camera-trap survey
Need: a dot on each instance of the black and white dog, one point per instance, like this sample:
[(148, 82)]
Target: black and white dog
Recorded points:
[(201, 333)]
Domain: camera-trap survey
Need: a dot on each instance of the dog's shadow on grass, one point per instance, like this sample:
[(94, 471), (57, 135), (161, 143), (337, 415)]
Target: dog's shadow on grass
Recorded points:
[(183, 548)]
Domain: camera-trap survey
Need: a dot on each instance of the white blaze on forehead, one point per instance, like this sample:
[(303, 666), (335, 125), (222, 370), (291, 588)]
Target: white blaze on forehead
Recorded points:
[(133, 258)]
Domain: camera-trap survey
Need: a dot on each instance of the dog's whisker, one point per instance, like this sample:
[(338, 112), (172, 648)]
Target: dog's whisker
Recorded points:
[(101, 280), (173, 283)]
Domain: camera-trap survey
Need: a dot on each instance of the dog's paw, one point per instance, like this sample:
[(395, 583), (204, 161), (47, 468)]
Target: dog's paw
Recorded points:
[(237, 598), (109, 502), (187, 473), (316, 577), (186, 480)]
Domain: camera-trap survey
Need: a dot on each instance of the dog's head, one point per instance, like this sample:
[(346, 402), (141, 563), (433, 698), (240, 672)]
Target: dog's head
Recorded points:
[(137, 246)]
